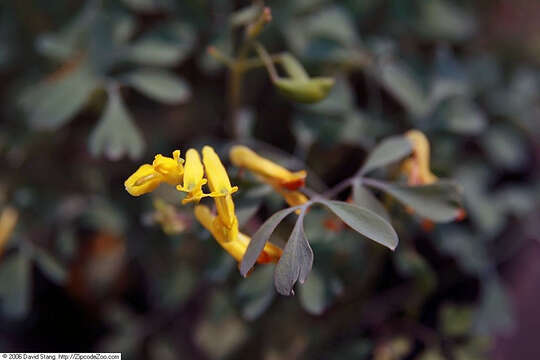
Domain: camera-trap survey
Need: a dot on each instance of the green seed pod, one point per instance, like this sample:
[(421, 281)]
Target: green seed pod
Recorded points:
[(307, 91)]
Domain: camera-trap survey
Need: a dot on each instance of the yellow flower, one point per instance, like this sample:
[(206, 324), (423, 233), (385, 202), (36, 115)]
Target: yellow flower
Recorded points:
[(282, 180), (170, 168), (193, 177), (417, 166), (236, 247), (148, 177), (221, 190), (242, 156), (293, 198)]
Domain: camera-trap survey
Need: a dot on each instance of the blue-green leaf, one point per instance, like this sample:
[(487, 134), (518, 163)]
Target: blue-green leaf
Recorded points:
[(115, 135), (439, 201), (160, 85), (256, 292), (364, 198), (260, 238), (389, 151), (313, 294), (296, 261), (15, 285), (364, 221), (52, 103)]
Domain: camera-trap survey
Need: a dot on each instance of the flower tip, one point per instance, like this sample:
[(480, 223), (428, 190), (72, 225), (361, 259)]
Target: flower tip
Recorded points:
[(267, 14), (461, 214)]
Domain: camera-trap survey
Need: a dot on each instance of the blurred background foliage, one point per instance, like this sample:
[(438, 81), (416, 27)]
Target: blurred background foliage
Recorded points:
[(90, 86)]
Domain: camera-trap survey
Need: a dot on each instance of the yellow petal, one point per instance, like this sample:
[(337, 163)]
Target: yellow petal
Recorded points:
[(417, 167), (218, 180), (242, 156), (221, 190), (236, 247), (293, 198), (143, 181), (170, 168), (193, 177)]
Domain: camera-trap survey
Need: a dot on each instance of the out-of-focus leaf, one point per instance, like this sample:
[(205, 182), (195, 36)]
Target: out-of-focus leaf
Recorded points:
[(338, 102), (154, 52), (116, 135), (104, 215), (431, 354), (505, 147), (475, 177), (160, 85), (295, 263), (50, 266), (221, 330), (455, 320), (167, 45), (247, 203), (246, 15), (404, 86), (388, 151), (331, 23), (468, 250), (364, 221), (15, 282), (359, 349), (176, 287), (462, 117), (449, 77), (53, 102), (411, 264), (364, 198), (70, 40), (148, 5), (313, 294), (438, 201), (516, 199), (256, 292), (259, 239), (494, 315), (442, 19)]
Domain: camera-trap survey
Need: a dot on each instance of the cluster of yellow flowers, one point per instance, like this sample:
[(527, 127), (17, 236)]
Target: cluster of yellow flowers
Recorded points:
[(189, 176)]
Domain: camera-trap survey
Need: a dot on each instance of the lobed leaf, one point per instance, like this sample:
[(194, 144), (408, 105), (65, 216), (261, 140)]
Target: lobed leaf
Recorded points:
[(115, 135), (296, 261), (259, 239)]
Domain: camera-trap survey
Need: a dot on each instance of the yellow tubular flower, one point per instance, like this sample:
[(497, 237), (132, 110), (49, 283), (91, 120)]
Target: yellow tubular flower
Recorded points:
[(148, 177), (293, 198), (193, 177), (221, 190), (238, 246), (417, 166), (143, 181), (171, 168), (242, 156)]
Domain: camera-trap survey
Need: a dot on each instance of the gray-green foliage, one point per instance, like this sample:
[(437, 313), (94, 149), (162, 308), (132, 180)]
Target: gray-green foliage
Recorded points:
[(89, 50)]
